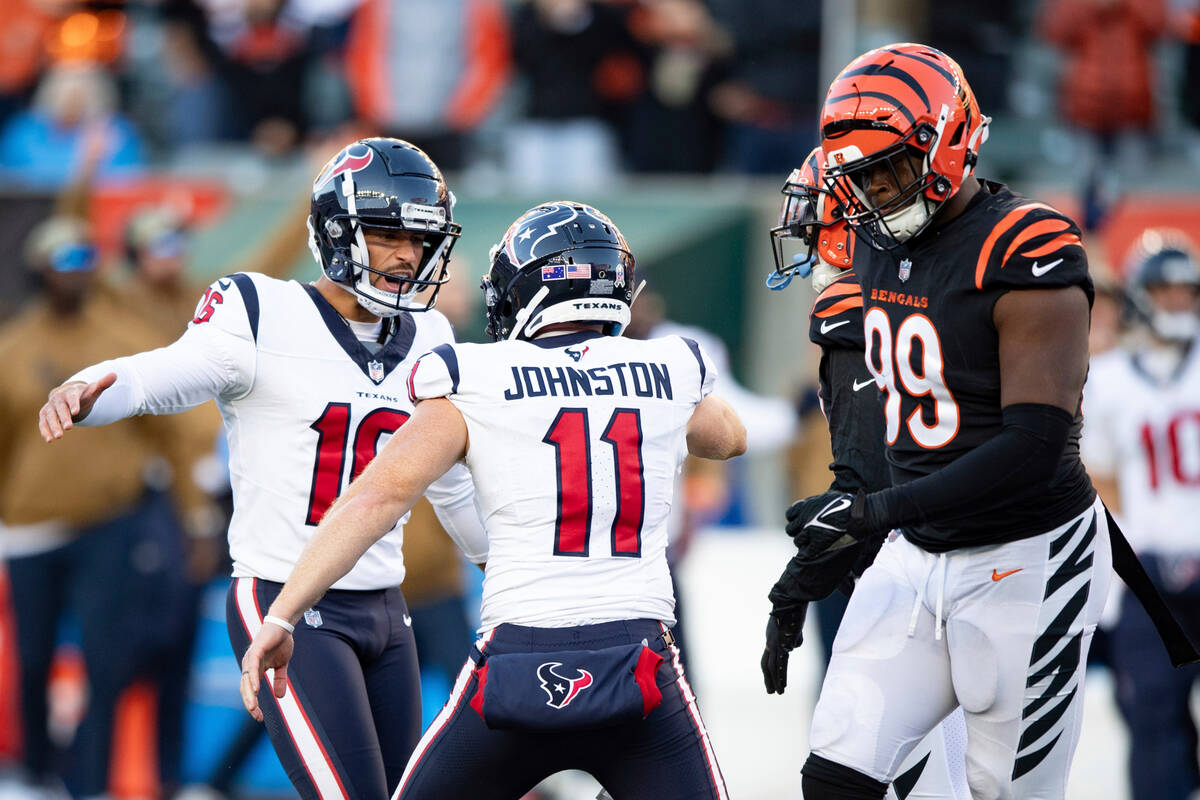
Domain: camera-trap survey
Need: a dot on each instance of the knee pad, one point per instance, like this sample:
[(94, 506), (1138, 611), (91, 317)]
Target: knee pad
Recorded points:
[(827, 780)]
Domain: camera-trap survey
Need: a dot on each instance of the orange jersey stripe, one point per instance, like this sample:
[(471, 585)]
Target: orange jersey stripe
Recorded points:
[(989, 244), (1058, 242), (1032, 232), (839, 289), (840, 306)]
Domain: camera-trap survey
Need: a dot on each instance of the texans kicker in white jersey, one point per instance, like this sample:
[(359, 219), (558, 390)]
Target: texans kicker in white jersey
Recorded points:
[(603, 420), (306, 406), (1145, 431)]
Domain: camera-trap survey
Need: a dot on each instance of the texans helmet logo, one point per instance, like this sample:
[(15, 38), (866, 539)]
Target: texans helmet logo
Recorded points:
[(352, 159), (560, 689)]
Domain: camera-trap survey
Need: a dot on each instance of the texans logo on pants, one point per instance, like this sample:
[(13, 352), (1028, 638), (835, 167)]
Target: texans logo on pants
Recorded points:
[(562, 690)]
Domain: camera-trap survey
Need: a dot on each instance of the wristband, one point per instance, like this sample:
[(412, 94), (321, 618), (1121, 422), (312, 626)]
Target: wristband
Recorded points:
[(283, 623)]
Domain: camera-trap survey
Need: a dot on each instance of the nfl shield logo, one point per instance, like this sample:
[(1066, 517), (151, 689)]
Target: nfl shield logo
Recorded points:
[(375, 370), (313, 618), (619, 276), (905, 270)]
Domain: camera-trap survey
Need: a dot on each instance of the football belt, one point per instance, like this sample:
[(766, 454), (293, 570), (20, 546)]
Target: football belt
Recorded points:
[(1179, 648)]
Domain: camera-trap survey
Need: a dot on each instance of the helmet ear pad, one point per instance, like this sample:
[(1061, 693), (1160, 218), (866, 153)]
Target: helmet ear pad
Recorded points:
[(338, 269)]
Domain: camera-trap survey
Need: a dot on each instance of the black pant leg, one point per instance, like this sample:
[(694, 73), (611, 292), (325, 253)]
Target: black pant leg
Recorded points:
[(38, 601)]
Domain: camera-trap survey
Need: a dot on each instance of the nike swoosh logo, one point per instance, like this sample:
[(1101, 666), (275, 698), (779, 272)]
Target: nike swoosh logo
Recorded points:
[(999, 576), (1040, 271), (864, 384), (834, 506), (224, 284), (407, 621), (826, 327)]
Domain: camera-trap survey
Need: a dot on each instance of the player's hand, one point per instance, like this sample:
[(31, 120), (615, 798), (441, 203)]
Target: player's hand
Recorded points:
[(271, 649), (70, 403), (785, 632), (825, 523)]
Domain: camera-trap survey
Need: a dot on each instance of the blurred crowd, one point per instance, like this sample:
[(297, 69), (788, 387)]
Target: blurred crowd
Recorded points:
[(595, 87), (523, 95)]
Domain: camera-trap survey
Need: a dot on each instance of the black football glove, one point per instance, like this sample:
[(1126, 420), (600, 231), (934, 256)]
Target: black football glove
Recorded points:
[(824, 524), (785, 632)]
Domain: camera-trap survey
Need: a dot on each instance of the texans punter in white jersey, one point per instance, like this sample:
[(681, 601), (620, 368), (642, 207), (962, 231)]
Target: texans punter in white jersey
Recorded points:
[(310, 380), (1141, 442), (573, 437)]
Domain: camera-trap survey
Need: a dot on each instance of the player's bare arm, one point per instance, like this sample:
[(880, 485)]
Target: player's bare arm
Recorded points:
[(419, 453), (70, 403), (1038, 329), (714, 430)]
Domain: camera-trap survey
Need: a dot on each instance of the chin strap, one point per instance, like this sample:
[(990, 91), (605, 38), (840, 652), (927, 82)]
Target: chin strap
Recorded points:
[(637, 292), (525, 313)]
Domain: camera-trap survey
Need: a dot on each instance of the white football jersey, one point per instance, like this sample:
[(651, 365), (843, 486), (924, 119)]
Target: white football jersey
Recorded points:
[(1146, 433), (574, 445), (306, 407)]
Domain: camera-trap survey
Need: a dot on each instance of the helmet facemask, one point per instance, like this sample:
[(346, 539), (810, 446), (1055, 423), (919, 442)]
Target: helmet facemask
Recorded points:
[(921, 191), (810, 220)]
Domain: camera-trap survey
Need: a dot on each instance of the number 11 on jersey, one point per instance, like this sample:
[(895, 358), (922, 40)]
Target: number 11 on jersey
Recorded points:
[(569, 436)]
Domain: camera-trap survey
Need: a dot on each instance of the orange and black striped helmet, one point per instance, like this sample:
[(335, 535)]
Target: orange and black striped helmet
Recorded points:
[(905, 109), (811, 217)]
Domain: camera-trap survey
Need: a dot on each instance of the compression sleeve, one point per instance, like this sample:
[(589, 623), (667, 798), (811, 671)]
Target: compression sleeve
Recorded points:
[(1017, 462), (205, 363), (453, 500)]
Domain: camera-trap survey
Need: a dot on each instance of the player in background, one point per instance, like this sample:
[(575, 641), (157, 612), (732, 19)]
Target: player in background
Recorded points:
[(573, 436), (1141, 443), (310, 381), (975, 305), (812, 223)]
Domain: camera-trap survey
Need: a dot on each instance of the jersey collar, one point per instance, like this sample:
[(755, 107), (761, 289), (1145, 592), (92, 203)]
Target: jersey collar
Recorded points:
[(565, 339), (392, 352)]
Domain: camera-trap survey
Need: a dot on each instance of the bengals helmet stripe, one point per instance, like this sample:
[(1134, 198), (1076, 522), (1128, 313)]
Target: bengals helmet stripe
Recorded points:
[(895, 72), (929, 62), (880, 95)]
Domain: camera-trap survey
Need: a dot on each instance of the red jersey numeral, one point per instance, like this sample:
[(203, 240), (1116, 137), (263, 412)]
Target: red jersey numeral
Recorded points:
[(568, 434), (1179, 440), (208, 305), (333, 431), (624, 433)]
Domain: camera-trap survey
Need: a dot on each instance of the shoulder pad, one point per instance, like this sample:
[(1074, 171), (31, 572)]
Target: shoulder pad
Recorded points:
[(837, 315), (1032, 246), (704, 363), (230, 303), (435, 374)]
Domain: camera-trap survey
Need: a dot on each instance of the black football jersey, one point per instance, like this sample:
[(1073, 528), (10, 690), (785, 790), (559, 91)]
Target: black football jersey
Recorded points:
[(850, 397), (932, 345)]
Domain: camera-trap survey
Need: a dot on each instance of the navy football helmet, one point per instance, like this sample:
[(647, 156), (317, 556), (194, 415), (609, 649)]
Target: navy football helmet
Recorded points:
[(382, 183), (558, 262), (1163, 257)]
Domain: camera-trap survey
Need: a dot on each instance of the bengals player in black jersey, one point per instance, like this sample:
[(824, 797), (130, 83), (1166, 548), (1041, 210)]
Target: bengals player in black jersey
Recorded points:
[(850, 399), (975, 312)]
